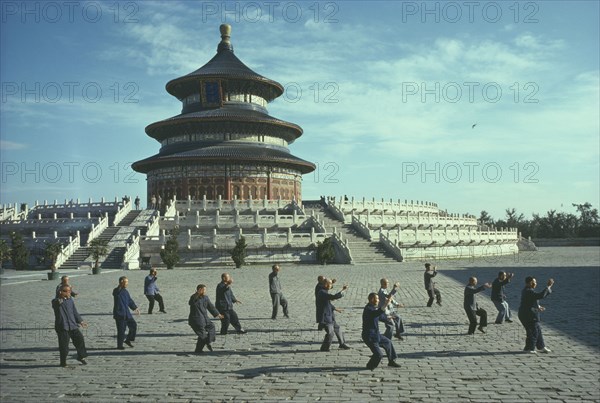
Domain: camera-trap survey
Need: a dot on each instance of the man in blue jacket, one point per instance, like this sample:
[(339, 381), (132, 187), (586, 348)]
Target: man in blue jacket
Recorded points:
[(152, 292), (326, 315), (66, 325), (122, 314), (224, 304), (200, 306), (372, 314), (529, 314), (499, 298)]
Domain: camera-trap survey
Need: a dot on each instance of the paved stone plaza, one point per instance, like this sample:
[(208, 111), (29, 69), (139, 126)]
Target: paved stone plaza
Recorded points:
[(280, 360)]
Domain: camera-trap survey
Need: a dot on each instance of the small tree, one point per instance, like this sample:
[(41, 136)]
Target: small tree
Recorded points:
[(325, 251), (19, 253), (485, 219), (170, 253), (99, 248), (4, 252), (238, 253), (51, 253), (588, 223)]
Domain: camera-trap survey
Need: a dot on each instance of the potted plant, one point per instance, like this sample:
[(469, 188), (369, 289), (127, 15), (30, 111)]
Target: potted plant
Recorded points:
[(170, 252), (51, 252), (99, 248), (19, 254), (325, 251), (4, 254), (238, 253)]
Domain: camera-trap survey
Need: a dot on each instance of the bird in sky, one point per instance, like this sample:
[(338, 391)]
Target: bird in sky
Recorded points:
[(472, 127)]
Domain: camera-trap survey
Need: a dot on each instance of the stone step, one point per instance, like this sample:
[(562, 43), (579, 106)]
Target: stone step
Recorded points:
[(76, 258), (362, 250), (129, 218), (114, 259)]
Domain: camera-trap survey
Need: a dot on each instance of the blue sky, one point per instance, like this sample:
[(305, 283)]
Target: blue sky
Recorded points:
[(387, 94)]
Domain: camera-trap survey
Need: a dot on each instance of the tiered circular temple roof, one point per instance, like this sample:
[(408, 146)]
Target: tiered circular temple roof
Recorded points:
[(230, 117), (225, 66)]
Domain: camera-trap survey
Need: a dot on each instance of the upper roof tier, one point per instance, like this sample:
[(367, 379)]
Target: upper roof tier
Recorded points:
[(224, 66)]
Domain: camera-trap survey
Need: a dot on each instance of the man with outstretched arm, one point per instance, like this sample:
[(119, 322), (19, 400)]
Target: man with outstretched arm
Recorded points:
[(529, 314), (326, 316), (371, 316)]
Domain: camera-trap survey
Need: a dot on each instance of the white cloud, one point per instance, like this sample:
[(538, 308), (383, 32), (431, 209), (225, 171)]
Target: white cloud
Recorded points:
[(11, 145)]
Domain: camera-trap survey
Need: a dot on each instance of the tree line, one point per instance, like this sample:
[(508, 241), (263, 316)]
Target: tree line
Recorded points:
[(584, 224)]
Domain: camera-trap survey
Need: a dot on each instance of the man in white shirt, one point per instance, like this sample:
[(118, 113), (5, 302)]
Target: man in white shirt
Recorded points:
[(394, 325)]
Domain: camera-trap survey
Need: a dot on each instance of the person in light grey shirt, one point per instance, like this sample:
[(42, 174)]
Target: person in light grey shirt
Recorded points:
[(394, 323), (277, 297)]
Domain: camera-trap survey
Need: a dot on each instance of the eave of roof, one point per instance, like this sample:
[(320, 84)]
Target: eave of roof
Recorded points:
[(225, 154), (156, 129), (225, 65)]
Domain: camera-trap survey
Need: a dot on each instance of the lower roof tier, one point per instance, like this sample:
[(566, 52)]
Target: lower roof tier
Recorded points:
[(225, 154)]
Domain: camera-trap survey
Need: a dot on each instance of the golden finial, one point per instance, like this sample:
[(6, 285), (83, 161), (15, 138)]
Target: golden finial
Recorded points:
[(225, 32)]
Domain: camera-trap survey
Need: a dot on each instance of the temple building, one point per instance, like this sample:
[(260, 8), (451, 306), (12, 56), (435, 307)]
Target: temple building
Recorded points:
[(224, 143)]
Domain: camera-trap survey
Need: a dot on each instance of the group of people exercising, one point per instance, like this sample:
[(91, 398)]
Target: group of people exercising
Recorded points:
[(381, 308)]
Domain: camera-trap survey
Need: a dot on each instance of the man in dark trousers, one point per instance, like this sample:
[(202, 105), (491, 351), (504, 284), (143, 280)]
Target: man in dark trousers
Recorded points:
[(152, 292), (320, 286), (66, 325), (529, 315), (200, 306), (277, 297), (326, 315), (122, 314), (471, 307), (499, 298), (394, 325), (224, 304), (372, 314), (430, 285)]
